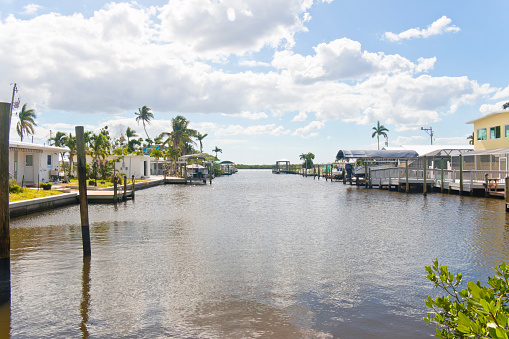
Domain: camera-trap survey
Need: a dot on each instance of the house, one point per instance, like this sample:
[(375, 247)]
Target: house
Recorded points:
[(129, 165), (491, 131), (32, 163)]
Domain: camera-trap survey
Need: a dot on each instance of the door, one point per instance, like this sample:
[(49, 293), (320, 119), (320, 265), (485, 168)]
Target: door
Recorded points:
[(29, 167)]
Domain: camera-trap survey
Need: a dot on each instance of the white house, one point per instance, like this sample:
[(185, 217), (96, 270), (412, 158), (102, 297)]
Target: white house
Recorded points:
[(130, 164), (32, 163)]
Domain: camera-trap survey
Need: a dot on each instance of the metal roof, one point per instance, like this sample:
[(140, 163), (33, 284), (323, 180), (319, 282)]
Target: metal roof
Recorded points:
[(374, 154)]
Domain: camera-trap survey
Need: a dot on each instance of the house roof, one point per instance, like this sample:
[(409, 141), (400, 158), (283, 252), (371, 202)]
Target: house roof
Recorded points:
[(434, 150), (375, 154), (486, 116), (29, 146)]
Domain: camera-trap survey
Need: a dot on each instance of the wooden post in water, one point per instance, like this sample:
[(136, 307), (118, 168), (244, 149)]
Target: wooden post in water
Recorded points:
[(124, 198), (318, 172), (407, 185), (486, 185), (506, 194), (132, 186), (82, 180), (210, 173), (5, 239), (115, 198), (424, 175), (442, 176), (461, 174)]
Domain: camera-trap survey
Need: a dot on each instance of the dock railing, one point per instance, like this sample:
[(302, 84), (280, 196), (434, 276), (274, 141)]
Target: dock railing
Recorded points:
[(436, 176)]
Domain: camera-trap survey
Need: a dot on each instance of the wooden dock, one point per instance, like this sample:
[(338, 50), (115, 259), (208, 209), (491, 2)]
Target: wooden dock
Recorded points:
[(108, 196)]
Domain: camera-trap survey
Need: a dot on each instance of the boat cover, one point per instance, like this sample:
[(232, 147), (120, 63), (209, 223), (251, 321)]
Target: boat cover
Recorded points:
[(374, 154)]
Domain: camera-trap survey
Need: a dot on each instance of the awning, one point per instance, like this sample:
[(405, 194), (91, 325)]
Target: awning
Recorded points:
[(375, 154)]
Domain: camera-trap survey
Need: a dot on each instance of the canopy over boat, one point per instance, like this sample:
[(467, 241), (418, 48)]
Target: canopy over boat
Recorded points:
[(374, 154)]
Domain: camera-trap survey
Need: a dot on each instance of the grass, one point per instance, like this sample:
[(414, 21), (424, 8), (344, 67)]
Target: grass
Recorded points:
[(29, 193)]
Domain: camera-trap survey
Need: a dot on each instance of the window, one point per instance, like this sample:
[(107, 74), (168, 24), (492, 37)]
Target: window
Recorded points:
[(481, 134), (49, 160), (506, 131), (29, 160), (495, 132)]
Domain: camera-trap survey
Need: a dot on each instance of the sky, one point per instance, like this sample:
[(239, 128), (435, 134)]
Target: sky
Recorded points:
[(265, 79)]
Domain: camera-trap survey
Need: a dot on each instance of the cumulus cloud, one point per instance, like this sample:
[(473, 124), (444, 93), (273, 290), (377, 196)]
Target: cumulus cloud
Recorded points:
[(309, 130), (270, 129), (300, 117), (249, 115), (31, 9), (501, 94), (441, 26)]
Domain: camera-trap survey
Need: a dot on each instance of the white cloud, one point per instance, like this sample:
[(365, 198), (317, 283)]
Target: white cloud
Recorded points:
[(302, 116), (253, 63), (501, 94), (438, 27), (271, 129), (31, 9), (309, 130), (249, 115)]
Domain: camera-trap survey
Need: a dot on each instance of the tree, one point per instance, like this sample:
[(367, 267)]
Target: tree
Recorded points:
[(308, 159), (156, 154), (99, 148), (26, 122), (144, 115), (506, 105), (58, 139), (129, 133), (475, 312), (217, 150), (200, 138), (70, 142), (181, 134), (379, 130), (471, 139)]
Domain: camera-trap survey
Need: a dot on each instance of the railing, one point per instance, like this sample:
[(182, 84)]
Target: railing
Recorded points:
[(436, 174)]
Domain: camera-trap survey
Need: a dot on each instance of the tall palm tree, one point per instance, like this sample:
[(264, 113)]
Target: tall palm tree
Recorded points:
[(181, 134), (308, 159), (217, 150), (471, 139), (99, 147), (144, 114), (379, 130), (70, 142), (58, 140), (26, 122), (200, 138), (130, 133)]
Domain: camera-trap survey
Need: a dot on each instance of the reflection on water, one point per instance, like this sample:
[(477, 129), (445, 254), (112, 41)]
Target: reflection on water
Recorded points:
[(252, 255)]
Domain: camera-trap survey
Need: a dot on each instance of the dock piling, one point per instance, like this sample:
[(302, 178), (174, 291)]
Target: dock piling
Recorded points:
[(82, 180), (124, 197), (506, 194), (5, 239), (132, 186)]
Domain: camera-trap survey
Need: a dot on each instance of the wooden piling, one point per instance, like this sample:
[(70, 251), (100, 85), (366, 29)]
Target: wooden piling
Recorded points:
[(132, 186), (82, 180), (424, 175), (506, 194), (115, 188), (210, 173), (5, 239), (407, 184), (124, 197), (486, 185), (461, 174), (442, 176)]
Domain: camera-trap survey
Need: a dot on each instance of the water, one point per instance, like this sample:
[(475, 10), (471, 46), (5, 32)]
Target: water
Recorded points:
[(254, 255)]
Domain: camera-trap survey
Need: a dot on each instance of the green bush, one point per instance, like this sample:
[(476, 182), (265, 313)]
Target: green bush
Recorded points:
[(475, 312), (45, 184), (13, 187)]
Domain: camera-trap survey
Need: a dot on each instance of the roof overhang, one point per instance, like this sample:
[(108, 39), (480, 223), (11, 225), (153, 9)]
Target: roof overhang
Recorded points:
[(375, 154)]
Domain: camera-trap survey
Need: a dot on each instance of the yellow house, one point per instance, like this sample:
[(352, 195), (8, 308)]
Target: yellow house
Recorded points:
[(491, 131)]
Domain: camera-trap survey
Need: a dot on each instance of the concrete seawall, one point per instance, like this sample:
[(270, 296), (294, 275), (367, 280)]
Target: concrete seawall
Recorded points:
[(24, 207)]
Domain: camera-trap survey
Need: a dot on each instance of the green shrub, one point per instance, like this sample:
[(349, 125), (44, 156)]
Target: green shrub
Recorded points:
[(13, 187), (45, 184), (475, 312)]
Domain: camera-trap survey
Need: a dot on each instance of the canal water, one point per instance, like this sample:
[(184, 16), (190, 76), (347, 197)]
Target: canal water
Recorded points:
[(254, 255)]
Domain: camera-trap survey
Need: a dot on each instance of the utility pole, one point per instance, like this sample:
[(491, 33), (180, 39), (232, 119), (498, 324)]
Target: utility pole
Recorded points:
[(13, 104), (429, 131)]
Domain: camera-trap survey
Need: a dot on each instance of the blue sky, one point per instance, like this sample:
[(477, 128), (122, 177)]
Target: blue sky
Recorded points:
[(266, 79)]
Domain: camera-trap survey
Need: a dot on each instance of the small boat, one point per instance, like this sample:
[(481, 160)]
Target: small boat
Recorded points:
[(197, 174)]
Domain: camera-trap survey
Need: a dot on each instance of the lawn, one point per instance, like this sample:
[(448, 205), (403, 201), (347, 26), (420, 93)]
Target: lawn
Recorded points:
[(29, 193)]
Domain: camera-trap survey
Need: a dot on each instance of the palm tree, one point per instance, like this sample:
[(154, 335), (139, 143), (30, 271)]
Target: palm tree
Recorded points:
[(58, 139), (471, 139), (181, 134), (70, 142), (506, 105), (308, 159), (26, 122), (216, 150), (379, 130), (99, 147), (130, 133), (144, 114), (200, 137)]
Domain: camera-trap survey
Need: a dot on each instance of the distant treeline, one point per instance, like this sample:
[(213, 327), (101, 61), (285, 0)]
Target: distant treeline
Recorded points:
[(239, 166)]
